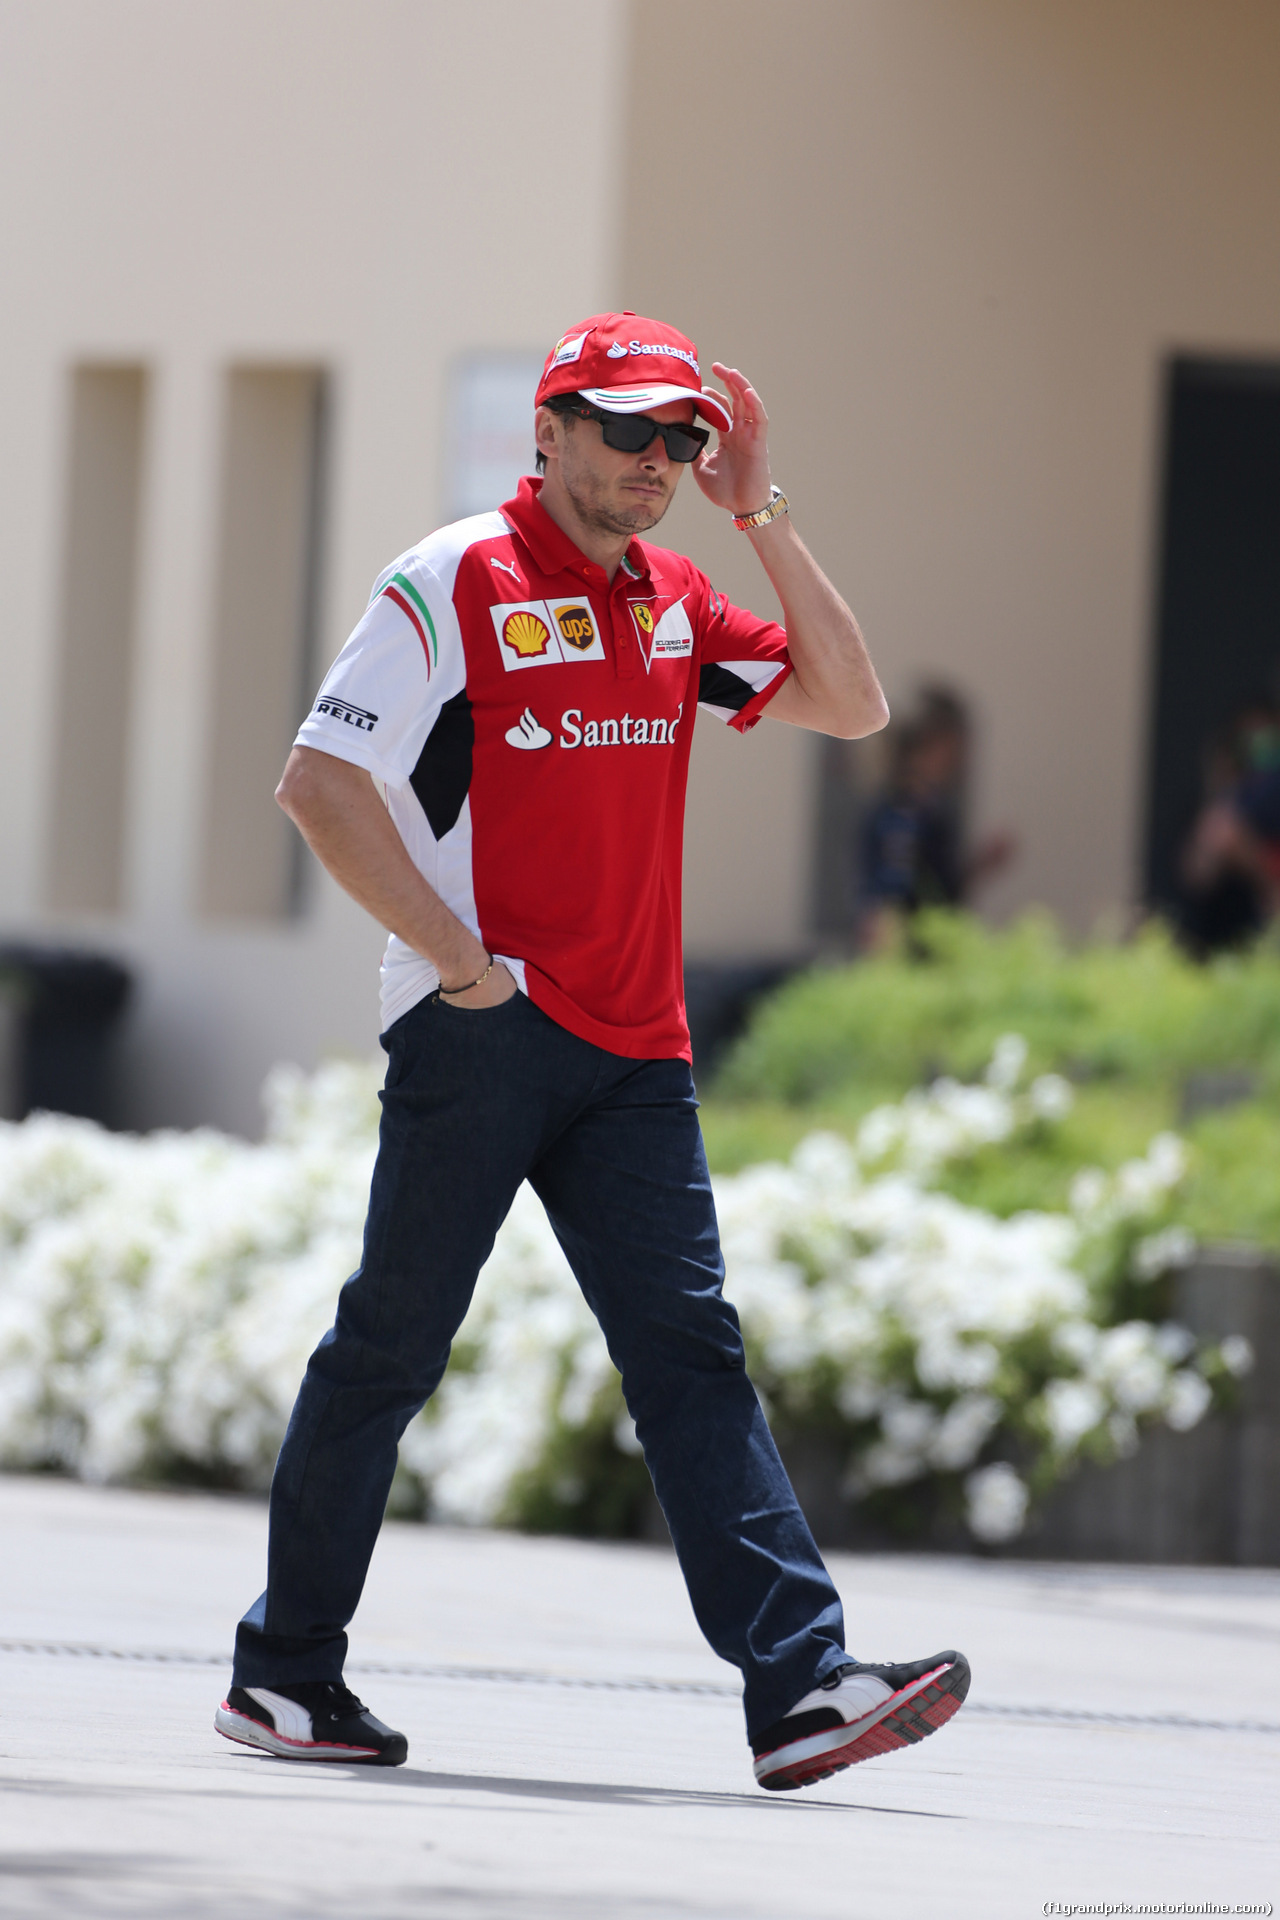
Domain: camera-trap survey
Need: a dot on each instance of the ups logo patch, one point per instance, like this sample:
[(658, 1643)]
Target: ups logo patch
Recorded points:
[(575, 627)]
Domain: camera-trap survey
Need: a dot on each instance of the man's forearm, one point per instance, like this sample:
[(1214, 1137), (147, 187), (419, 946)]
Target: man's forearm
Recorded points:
[(833, 688), (336, 808)]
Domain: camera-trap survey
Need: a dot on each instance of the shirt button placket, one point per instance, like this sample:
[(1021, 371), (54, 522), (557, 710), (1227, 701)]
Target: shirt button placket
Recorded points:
[(624, 643)]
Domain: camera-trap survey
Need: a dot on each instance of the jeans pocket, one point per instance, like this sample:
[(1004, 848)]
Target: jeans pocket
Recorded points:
[(395, 1050), (398, 1041), (477, 1013)]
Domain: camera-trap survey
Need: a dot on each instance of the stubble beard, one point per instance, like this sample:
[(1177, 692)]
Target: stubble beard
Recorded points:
[(601, 518)]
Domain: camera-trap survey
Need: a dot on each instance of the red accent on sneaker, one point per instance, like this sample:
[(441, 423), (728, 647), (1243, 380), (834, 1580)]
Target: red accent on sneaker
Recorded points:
[(303, 1746), (920, 1713)]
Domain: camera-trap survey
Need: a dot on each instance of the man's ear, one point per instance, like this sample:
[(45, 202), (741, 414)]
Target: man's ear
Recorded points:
[(545, 437)]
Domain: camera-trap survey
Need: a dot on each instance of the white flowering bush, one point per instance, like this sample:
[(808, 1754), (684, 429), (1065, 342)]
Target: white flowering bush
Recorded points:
[(159, 1298), (945, 1349)]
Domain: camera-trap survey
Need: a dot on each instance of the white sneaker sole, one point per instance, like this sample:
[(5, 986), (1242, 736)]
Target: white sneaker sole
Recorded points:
[(251, 1733), (907, 1716)]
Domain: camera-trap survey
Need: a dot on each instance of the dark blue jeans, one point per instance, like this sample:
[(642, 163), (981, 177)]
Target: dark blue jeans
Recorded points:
[(475, 1103)]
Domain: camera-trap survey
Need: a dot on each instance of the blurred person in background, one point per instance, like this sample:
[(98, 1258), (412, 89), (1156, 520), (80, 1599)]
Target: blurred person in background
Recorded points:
[(913, 850), (523, 688), (1231, 860)]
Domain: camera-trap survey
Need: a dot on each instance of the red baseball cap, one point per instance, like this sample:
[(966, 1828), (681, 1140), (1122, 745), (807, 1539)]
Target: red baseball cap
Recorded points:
[(627, 364)]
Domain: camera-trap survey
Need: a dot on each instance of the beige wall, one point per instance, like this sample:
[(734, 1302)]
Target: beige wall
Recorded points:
[(267, 576), (952, 241), (300, 183), (98, 610)]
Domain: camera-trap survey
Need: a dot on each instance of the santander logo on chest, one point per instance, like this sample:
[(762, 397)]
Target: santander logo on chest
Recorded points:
[(617, 730)]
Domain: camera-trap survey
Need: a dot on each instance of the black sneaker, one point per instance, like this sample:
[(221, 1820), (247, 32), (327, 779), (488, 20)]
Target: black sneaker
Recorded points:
[(861, 1711), (316, 1720)]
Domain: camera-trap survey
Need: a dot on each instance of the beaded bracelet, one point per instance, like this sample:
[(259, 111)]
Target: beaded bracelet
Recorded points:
[(449, 992)]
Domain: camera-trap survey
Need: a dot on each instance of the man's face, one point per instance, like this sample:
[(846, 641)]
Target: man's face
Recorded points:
[(613, 493)]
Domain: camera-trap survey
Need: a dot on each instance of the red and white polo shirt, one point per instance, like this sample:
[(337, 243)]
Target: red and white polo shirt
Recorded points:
[(531, 724)]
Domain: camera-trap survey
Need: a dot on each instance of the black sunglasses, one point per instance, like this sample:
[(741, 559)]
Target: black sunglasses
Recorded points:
[(633, 432)]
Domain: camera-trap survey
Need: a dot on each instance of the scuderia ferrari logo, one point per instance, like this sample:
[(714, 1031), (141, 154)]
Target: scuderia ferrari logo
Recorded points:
[(669, 638), (541, 633)]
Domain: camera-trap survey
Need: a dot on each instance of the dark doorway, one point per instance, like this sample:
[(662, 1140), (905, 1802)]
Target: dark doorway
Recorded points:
[(1218, 620)]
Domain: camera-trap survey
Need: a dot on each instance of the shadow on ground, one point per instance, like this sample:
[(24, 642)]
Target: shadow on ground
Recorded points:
[(597, 1791)]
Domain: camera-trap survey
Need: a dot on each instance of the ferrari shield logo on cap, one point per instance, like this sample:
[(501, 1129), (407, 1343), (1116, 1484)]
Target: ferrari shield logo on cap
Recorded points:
[(570, 348)]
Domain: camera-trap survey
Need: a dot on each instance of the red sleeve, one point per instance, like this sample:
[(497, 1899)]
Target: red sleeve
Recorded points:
[(742, 660)]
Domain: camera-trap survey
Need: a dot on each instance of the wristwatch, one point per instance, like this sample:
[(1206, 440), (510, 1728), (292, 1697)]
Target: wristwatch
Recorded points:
[(778, 504)]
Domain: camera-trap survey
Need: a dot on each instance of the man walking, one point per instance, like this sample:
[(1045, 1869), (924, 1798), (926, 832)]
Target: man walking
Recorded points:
[(522, 690)]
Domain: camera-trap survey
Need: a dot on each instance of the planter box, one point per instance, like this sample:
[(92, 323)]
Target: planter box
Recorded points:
[(1211, 1496), (1208, 1496)]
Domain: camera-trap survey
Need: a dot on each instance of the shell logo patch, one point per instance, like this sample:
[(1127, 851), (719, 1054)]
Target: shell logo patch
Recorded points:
[(576, 629), (526, 635), (545, 633)]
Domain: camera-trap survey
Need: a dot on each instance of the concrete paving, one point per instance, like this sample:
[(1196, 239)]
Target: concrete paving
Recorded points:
[(576, 1753)]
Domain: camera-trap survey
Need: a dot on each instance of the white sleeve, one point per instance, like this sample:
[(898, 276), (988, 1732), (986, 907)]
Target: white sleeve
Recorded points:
[(381, 696)]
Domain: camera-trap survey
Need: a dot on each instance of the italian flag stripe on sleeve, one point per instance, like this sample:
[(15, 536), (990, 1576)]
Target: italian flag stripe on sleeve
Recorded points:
[(410, 601)]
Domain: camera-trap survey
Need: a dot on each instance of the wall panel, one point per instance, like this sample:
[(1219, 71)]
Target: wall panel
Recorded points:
[(264, 618), (98, 609)]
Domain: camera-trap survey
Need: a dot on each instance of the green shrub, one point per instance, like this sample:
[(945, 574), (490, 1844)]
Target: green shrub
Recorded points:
[(1233, 1192), (1138, 1013)]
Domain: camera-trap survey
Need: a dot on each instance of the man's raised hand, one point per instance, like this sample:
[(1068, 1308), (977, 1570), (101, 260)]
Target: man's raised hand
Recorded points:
[(735, 474)]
